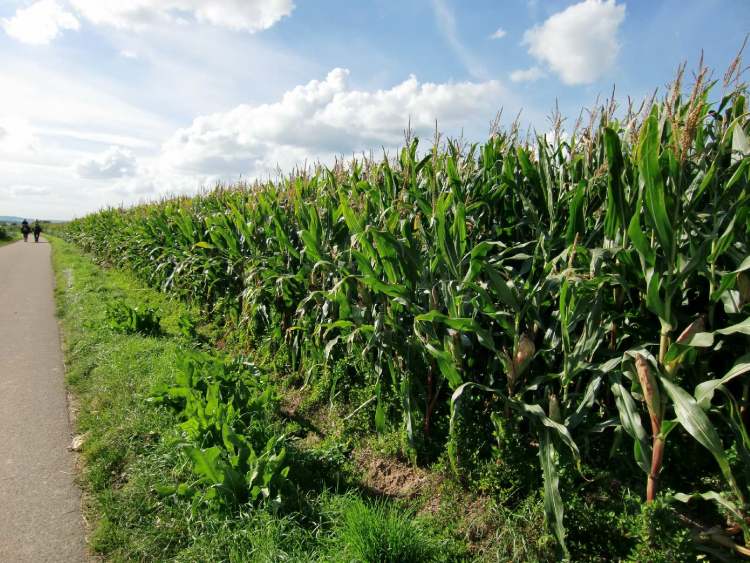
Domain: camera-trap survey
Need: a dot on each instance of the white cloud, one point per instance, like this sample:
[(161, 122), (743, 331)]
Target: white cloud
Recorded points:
[(527, 75), (40, 23), (499, 34), (240, 15), (78, 105), (115, 162), (17, 138), (23, 191), (326, 118), (580, 43)]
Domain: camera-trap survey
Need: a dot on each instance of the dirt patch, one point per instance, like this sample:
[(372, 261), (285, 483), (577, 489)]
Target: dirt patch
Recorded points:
[(390, 477), (476, 522), (432, 505), (317, 422), (291, 400), (310, 440)]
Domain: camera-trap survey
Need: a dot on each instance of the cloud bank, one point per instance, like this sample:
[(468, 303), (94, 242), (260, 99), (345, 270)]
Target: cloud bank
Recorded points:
[(115, 162), (324, 118), (240, 15), (45, 20)]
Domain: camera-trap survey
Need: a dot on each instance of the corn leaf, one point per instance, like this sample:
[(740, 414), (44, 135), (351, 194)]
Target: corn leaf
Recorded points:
[(704, 392), (630, 419), (553, 503), (651, 177), (694, 420)]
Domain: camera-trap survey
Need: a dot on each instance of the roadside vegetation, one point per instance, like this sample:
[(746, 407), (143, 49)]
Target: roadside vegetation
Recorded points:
[(523, 350), (9, 233)]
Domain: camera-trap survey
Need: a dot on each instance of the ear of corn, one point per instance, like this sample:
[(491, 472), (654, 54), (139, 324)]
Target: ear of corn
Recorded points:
[(535, 272)]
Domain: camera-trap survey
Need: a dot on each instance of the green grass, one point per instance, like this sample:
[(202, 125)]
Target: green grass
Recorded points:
[(378, 532)]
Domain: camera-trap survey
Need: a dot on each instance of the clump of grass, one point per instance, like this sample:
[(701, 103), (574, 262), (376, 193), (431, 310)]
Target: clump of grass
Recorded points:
[(517, 535), (378, 532)]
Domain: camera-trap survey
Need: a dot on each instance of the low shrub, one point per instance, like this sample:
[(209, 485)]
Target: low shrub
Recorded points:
[(121, 317)]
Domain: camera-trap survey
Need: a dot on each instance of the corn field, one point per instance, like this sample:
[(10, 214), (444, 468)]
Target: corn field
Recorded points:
[(587, 293)]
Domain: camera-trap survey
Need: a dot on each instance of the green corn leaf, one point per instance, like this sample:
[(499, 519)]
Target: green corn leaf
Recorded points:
[(575, 214), (639, 240), (477, 259), (312, 248), (706, 339), (651, 177), (704, 392), (447, 367), (616, 204), (738, 174), (705, 182), (740, 143), (585, 404), (566, 298), (406, 405), (392, 290), (745, 265), (653, 294), (694, 420), (547, 452), (459, 228), (630, 419), (354, 222), (444, 241), (463, 324), (723, 242), (533, 412), (553, 503), (739, 328), (502, 288)]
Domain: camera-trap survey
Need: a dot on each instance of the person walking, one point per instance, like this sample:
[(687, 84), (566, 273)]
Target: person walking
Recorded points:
[(37, 231), (25, 230)]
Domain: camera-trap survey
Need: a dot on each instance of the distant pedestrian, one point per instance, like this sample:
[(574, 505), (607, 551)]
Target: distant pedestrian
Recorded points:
[(25, 230), (37, 231)]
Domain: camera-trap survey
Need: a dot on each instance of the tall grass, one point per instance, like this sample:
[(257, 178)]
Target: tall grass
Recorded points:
[(581, 289), (378, 532)]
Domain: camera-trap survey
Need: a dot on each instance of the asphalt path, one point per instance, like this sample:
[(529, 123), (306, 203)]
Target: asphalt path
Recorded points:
[(40, 518)]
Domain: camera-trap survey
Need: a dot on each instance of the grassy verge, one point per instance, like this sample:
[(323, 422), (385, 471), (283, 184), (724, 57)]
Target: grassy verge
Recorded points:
[(131, 448)]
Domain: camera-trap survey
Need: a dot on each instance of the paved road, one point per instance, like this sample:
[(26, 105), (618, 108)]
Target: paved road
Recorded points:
[(40, 517)]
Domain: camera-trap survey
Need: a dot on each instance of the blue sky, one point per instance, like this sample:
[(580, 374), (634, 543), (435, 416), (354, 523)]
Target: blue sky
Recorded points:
[(106, 102)]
